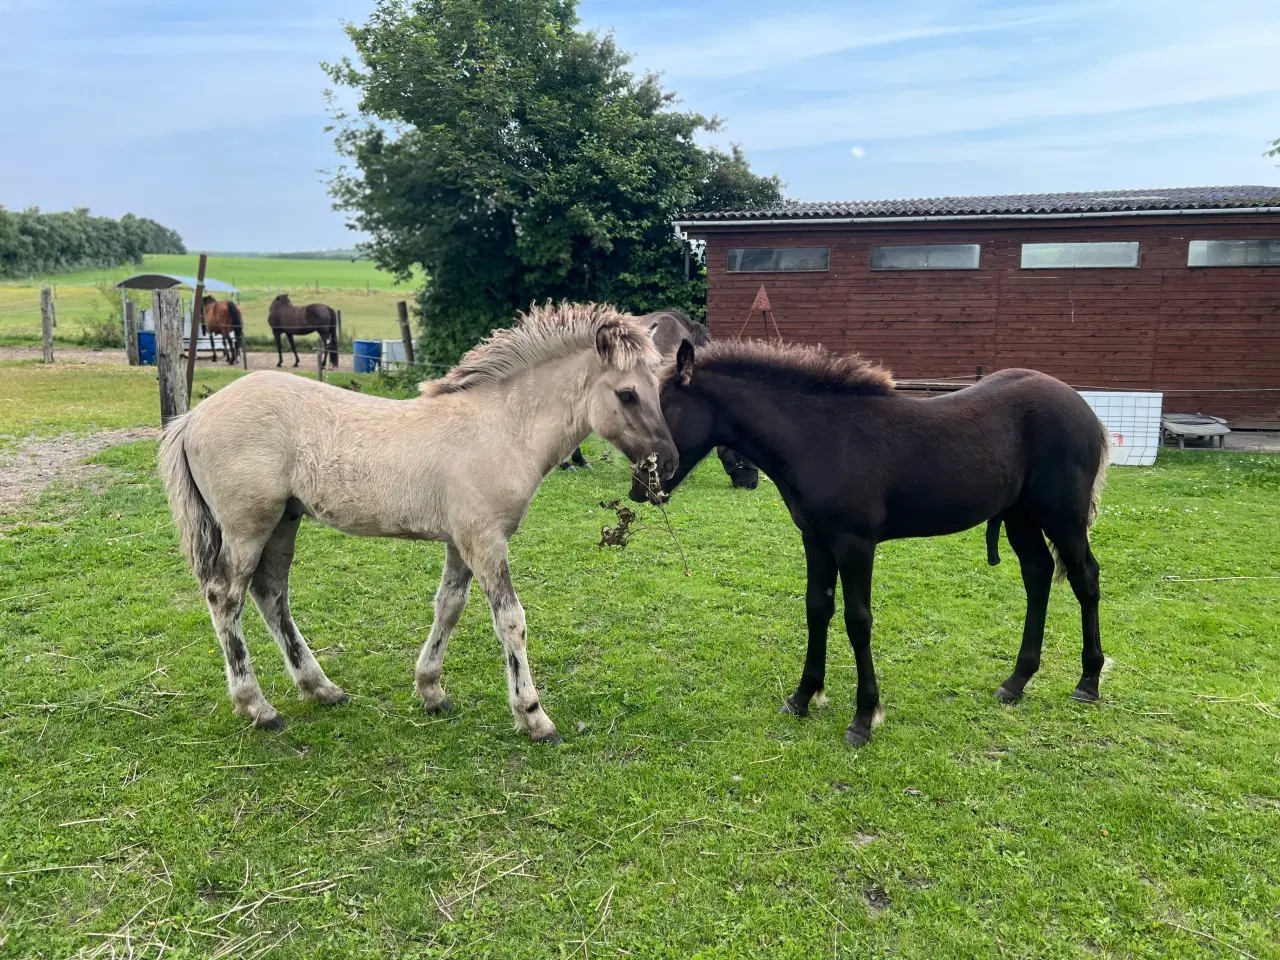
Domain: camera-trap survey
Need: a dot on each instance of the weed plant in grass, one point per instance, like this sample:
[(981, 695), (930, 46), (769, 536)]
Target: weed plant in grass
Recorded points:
[(684, 817)]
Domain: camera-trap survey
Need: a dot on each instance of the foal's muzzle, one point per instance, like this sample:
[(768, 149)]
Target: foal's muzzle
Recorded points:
[(647, 476)]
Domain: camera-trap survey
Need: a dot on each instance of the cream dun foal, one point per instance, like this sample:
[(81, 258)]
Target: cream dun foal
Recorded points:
[(460, 464)]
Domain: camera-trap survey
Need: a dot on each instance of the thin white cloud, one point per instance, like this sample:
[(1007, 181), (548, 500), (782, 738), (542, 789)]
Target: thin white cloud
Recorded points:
[(766, 45), (1223, 65)]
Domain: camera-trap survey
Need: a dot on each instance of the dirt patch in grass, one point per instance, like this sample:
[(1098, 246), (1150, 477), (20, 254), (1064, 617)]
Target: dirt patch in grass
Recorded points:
[(63, 354), (37, 463)]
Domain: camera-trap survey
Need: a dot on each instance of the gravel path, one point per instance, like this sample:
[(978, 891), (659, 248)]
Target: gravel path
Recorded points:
[(258, 360), (39, 462)]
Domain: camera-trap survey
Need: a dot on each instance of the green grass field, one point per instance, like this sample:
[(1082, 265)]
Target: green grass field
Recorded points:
[(366, 295), (683, 817)]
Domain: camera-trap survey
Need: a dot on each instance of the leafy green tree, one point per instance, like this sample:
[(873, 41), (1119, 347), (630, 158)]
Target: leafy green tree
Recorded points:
[(1275, 149), (32, 242), (515, 159)]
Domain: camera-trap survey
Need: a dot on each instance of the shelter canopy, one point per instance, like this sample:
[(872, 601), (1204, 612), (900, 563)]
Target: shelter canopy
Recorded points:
[(164, 281)]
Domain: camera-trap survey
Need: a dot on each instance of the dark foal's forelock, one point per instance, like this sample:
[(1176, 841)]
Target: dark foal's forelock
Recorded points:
[(806, 367)]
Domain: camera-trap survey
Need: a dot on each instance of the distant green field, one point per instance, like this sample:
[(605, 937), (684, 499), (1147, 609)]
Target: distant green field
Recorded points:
[(366, 295), (246, 273)]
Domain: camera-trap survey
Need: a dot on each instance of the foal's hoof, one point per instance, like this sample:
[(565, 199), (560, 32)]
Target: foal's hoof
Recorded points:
[(444, 706), (553, 739), (1007, 696), (792, 706), (1084, 695), (856, 736), (273, 724)]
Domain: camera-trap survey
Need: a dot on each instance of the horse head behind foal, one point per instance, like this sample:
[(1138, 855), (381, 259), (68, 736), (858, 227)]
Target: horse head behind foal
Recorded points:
[(459, 464)]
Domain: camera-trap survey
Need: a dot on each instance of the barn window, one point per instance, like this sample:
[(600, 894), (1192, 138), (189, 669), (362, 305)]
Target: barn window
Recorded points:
[(934, 256), (1039, 256), (778, 259), (1233, 253)]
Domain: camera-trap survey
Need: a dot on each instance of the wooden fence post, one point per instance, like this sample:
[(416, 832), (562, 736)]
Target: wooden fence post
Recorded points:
[(197, 320), (47, 322), (406, 335), (320, 357), (131, 332), (169, 336)]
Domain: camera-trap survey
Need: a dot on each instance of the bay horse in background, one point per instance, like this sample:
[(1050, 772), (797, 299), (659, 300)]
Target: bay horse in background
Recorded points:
[(857, 463), (292, 321), (669, 328), (223, 318)]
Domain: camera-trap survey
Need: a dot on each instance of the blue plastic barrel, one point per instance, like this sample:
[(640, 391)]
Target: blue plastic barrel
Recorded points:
[(366, 355), (147, 348)]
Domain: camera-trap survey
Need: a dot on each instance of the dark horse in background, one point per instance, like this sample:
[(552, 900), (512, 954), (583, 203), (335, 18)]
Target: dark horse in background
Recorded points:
[(223, 318), (858, 463), (293, 321), (669, 328)]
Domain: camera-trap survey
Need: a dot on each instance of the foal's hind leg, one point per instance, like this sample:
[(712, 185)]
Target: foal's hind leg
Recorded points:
[(1037, 578), (451, 600), (1082, 571), (225, 594), (270, 591), (489, 561)]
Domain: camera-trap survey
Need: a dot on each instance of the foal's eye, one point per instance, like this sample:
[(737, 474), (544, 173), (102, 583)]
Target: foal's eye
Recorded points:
[(628, 397)]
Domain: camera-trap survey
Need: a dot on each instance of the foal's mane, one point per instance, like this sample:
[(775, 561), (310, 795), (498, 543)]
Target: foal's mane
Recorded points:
[(807, 367), (549, 332)]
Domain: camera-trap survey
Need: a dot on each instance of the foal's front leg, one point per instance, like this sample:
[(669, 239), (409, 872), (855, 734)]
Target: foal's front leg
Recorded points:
[(494, 574), (819, 607), (451, 600), (856, 561)]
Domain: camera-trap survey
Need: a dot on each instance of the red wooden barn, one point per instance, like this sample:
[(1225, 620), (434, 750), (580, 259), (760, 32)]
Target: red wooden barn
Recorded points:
[(1171, 290)]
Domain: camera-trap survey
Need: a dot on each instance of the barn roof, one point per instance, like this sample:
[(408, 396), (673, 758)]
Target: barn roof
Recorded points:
[(163, 281), (1102, 202)]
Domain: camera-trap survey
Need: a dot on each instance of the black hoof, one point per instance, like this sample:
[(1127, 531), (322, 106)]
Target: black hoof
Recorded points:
[(274, 725), (1007, 696), (345, 698), (856, 737), (793, 707), (1082, 695), (552, 741), (444, 706)]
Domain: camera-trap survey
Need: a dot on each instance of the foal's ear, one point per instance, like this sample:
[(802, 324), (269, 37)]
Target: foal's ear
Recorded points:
[(607, 337), (684, 363)]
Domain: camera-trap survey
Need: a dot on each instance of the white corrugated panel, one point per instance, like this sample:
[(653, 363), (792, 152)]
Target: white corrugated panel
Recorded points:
[(392, 353), (1133, 420)]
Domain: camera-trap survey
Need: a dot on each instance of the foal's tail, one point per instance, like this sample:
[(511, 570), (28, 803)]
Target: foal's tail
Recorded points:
[(1095, 499), (197, 526)]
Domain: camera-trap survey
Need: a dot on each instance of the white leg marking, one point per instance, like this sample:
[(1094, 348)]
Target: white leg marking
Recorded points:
[(451, 600)]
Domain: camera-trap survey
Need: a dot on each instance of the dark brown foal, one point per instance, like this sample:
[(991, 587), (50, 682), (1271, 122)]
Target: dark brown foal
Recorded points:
[(858, 464)]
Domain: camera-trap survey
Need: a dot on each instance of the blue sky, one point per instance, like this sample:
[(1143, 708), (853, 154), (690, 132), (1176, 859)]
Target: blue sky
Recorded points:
[(209, 117)]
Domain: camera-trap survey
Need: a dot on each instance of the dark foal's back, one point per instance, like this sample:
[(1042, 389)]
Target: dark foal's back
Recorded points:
[(896, 466)]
